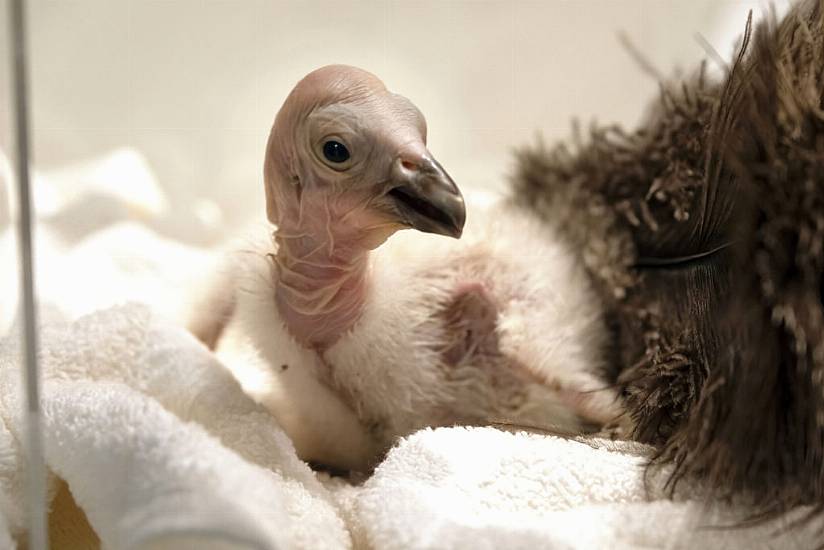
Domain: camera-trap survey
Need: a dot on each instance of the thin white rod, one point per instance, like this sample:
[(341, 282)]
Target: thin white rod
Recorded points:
[(35, 471)]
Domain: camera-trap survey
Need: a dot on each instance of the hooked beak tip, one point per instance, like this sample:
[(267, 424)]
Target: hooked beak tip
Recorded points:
[(427, 198)]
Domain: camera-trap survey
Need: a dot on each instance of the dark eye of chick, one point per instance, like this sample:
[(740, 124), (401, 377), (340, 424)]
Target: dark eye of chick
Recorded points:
[(334, 151)]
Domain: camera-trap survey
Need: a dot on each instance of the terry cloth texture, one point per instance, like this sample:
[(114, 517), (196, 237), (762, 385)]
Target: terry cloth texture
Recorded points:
[(157, 442)]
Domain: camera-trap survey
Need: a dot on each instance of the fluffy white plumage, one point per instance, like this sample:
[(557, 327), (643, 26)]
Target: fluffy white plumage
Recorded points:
[(387, 377), (353, 340)]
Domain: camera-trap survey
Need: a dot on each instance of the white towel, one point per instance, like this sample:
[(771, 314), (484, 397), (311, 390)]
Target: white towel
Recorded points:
[(147, 479), (481, 488), (128, 344), (140, 472), (12, 437)]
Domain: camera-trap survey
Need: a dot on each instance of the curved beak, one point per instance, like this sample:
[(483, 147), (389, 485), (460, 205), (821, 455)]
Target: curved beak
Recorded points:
[(426, 198)]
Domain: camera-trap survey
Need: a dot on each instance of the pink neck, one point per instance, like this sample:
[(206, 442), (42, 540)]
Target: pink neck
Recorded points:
[(321, 281)]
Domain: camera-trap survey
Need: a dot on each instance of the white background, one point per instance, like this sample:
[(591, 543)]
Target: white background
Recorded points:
[(192, 86)]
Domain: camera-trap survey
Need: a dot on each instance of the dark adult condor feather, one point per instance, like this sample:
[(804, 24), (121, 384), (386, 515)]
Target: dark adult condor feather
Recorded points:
[(704, 230)]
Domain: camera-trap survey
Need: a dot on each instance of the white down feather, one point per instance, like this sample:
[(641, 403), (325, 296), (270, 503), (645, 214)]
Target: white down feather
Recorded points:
[(386, 377)]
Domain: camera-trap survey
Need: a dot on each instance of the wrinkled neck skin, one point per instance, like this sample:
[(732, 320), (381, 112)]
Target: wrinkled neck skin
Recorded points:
[(322, 264)]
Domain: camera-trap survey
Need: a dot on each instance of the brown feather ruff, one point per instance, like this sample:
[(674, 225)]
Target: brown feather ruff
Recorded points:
[(704, 231)]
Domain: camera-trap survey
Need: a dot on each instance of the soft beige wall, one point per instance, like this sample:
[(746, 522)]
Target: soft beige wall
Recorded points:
[(194, 84)]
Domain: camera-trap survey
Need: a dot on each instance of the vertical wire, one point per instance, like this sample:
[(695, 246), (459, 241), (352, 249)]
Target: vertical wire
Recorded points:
[(35, 471)]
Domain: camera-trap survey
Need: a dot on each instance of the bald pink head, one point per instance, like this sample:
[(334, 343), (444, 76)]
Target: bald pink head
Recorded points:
[(346, 166), (343, 136)]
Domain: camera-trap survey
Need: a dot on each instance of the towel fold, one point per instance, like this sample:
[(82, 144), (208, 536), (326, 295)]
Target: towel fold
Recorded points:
[(146, 478), (158, 443), (130, 345)]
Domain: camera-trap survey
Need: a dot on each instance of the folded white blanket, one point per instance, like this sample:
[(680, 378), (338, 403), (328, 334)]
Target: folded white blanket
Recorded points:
[(146, 479), (158, 443)]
